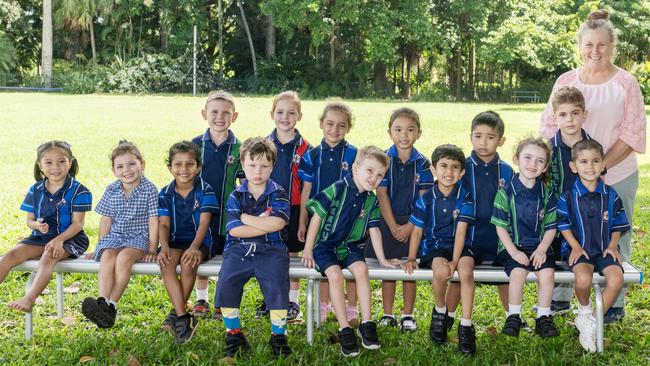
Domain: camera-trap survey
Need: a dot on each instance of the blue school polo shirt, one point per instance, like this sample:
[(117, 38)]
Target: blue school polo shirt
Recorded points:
[(185, 213), (324, 165), (526, 213), (437, 216), (274, 201), (56, 209), (483, 181), (221, 168), (287, 162), (346, 214), (404, 181), (562, 177), (592, 217)]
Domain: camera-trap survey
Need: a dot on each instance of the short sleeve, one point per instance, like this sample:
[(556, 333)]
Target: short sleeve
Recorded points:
[(280, 205), (563, 214), (233, 212), (466, 209), (425, 175), (104, 206), (82, 200), (163, 208), (28, 202), (384, 182), (208, 202), (550, 215), (321, 203), (306, 168), (619, 222), (501, 210), (632, 129), (419, 214), (375, 214), (152, 202)]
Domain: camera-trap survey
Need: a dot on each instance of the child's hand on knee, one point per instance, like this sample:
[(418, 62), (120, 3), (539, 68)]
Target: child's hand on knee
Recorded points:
[(163, 257), (614, 253), (576, 254), (192, 257), (538, 258), (520, 257)]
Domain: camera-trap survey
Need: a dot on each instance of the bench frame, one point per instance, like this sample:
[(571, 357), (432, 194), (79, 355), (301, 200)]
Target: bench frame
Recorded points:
[(482, 273), (532, 95)]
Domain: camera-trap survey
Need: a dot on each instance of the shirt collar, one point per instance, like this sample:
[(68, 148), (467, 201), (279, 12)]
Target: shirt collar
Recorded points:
[(341, 145), (476, 160), (557, 139), (117, 185), (66, 185), (519, 187), (295, 141), (581, 190), (270, 187), (438, 194), (230, 140), (198, 186), (392, 152)]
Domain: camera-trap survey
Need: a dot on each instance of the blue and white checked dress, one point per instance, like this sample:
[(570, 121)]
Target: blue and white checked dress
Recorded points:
[(129, 228)]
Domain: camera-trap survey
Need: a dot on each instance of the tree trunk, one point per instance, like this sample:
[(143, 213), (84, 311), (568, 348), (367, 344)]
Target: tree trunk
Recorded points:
[(92, 41), (248, 35), (471, 70), (458, 82), (379, 80), (46, 51), (270, 37)]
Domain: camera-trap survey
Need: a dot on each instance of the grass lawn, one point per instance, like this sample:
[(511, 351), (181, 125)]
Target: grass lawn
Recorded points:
[(93, 124)]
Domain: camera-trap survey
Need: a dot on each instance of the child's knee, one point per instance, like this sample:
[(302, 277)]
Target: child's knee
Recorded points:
[(614, 279), (334, 276)]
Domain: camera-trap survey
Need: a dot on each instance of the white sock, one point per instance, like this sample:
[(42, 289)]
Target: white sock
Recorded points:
[(466, 322), (405, 315), (202, 294), (451, 314), (585, 309), (441, 310), (514, 309), (293, 295), (112, 302), (543, 311)]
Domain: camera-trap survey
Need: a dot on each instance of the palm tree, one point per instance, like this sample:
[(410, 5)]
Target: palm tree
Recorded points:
[(78, 15), (46, 50)]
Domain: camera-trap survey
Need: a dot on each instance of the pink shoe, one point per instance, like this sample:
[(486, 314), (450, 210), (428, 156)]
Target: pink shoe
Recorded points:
[(325, 309), (351, 313)]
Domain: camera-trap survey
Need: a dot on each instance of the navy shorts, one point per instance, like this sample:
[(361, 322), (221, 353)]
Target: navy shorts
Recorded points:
[(267, 263), (509, 264), (327, 257), (427, 260), (598, 262), (392, 247), (184, 245), (293, 244), (75, 246), (556, 246)]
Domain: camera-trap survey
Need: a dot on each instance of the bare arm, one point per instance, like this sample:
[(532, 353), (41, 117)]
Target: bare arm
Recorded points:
[(515, 253), (386, 208), (105, 226), (266, 224), (245, 231), (619, 151), (164, 231), (377, 245), (414, 243), (310, 241), (302, 221), (459, 243)]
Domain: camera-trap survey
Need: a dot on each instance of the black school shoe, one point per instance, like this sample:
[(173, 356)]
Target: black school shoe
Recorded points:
[(545, 328), (368, 333), (168, 324), (349, 346), (466, 339), (438, 327), (279, 345), (185, 326), (235, 344), (513, 325), (99, 312), (450, 322)]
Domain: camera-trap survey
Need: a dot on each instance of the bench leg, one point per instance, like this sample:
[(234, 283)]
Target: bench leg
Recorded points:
[(310, 312), (59, 294), (600, 319), (317, 302), (29, 321)]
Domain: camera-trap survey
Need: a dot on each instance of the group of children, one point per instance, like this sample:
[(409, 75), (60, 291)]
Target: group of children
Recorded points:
[(259, 202)]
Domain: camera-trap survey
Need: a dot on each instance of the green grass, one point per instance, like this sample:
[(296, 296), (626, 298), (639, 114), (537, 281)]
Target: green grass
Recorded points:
[(94, 123)]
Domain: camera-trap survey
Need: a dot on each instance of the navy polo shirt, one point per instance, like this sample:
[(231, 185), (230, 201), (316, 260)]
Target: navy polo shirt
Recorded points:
[(287, 160), (56, 209), (185, 213), (346, 213), (562, 177), (592, 217), (526, 213), (483, 180), (437, 216), (221, 167), (404, 181), (324, 165), (274, 201)]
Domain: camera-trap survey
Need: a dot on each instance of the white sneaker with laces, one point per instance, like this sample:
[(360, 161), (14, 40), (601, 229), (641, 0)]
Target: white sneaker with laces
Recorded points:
[(586, 325)]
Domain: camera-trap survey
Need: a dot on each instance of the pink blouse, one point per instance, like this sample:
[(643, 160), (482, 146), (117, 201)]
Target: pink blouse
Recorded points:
[(615, 110)]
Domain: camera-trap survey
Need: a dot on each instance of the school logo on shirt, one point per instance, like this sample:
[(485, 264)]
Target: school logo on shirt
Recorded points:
[(541, 214), (344, 166), (61, 203), (230, 160), (362, 213), (266, 212), (417, 178), (296, 159), (196, 205), (605, 216), (455, 213), (502, 183)]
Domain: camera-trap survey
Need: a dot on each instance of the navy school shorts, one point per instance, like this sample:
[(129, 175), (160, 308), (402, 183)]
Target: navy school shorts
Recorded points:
[(599, 262), (327, 257), (293, 244), (427, 260), (509, 264), (75, 246)]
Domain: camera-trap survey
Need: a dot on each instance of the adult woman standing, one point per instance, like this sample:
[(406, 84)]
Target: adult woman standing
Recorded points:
[(616, 118)]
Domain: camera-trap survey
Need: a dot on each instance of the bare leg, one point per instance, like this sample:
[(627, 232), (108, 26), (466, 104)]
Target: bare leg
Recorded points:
[(336, 280), (545, 284), (105, 276), (294, 283), (324, 292), (516, 288), (453, 296), (45, 267), (172, 284), (388, 296), (409, 289), (614, 277), (466, 272), (583, 273), (362, 283), (441, 274), (188, 277), (201, 283), (123, 264), (503, 295), (351, 288), (17, 255)]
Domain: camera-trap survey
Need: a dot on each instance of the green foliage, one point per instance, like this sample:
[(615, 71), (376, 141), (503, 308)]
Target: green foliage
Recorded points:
[(642, 74), (149, 73), (7, 53), (76, 79)]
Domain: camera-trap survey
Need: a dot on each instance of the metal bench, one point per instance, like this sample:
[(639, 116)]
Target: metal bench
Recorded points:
[(530, 95), (30, 88), (482, 273)]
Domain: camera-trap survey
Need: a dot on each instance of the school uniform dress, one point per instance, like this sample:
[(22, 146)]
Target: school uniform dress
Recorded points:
[(346, 216), (483, 180), (403, 182), (264, 257), (220, 169), (285, 173), (592, 217), (438, 216), (185, 214), (527, 214), (56, 211), (324, 165), (129, 227)]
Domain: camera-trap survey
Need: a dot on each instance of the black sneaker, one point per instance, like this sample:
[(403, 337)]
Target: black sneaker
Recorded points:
[(348, 340), (560, 307), (168, 324), (99, 312), (614, 314), (513, 325), (449, 320), (235, 344), (545, 328), (368, 333), (466, 339), (438, 327), (388, 321), (185, 327), (279, 345), (262, 311)]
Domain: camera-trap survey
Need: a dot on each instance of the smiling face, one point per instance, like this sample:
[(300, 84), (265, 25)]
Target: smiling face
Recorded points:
[(184, 167), (596, 49), (368, 173), (570, 118), (257, 169), (334, 125), (55, 164), (532, 161), (588, 164), (485, 141), (219, 114), (286, 115), (447, 172), (128, 168), (404, 132)]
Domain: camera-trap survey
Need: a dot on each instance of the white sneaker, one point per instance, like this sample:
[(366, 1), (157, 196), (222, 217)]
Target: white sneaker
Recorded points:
[(408, 324), (586, 325)]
